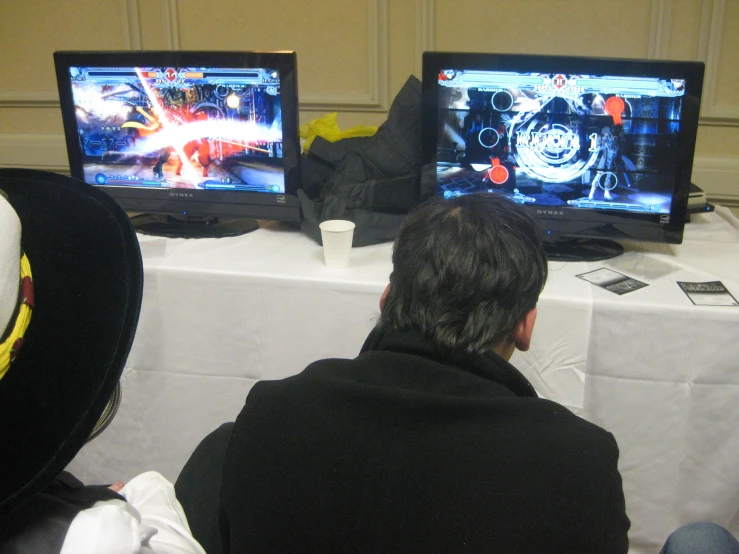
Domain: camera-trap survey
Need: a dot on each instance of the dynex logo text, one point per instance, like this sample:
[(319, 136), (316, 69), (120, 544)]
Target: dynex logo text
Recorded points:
[(549, 212), (181, 194)]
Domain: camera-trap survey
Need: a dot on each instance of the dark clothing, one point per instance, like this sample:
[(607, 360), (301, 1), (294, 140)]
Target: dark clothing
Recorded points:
[(404, 449), (40, 525), (198, 489), (372, 181)]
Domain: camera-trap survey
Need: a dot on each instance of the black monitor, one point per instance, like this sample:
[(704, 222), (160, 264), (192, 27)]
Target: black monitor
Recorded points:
[(598, 148), (203, 143)]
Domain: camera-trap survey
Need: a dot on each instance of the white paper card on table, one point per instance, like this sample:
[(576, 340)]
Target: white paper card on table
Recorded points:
[(613, 281), (710, 293)]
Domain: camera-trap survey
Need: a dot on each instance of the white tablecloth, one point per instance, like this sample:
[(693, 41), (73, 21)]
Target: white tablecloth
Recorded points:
[(658, 372)]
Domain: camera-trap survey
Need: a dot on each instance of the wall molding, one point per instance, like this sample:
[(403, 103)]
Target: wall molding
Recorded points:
[(660, 34), (171, 23), (46, 151), (425, 20), (709, 47), (131, 21), (709, 51), (718, 177), (375, 99), (660, 27), (131, 33), (29, 99)]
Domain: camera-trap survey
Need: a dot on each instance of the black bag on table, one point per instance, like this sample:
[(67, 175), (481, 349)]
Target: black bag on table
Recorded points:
[(372, 181)]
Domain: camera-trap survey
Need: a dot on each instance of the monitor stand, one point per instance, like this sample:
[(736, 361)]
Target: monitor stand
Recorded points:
[(582, 250), (191, 227)]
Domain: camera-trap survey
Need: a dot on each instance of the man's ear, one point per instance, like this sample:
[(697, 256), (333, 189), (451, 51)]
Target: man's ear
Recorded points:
[(383, 298), (524, 329)]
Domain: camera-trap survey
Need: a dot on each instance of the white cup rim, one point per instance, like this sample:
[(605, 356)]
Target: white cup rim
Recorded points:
[(337, 226)]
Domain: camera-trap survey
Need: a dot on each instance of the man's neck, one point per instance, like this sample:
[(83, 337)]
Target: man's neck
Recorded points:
[(505, 348)]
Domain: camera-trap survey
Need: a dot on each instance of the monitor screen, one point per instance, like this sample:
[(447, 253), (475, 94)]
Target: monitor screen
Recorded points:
[(595, 147), (187, 134)]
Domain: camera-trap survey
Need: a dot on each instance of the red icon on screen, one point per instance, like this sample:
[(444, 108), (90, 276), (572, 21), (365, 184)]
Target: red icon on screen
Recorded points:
[(498, 174), (559, 81), (615, 106)]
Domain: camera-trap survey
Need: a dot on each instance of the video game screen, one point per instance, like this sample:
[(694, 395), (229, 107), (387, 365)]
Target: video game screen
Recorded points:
[(558, 139), (180, 127)]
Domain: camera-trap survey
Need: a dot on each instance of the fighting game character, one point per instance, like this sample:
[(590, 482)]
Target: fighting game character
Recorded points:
[(147, 129), (154, 125), (473, 148), (610, 160)]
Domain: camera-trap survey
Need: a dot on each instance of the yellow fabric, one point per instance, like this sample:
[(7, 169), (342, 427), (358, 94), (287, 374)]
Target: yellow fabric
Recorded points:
[(327, 128), (21, 324)]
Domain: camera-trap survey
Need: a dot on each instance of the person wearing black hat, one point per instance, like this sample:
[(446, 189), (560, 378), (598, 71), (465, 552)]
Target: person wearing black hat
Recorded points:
[(71, 282)]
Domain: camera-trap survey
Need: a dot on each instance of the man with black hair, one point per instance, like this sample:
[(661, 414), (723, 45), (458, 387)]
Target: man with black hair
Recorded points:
[(429, 440)]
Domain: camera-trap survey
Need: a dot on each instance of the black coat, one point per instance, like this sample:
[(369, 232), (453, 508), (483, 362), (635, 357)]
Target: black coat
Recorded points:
[(403, 450), (40, 525)]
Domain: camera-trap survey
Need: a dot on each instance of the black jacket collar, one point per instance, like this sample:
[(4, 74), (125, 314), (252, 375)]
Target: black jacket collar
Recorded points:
[(488, 366)]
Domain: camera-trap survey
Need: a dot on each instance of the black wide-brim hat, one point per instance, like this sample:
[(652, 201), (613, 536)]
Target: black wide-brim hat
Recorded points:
[(88, 280)]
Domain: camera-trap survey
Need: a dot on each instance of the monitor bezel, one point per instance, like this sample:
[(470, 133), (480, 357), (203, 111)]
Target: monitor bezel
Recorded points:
[(574, 222), (191, 202)]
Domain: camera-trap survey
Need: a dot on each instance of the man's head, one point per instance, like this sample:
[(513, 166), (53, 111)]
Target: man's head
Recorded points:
[(466, 272)]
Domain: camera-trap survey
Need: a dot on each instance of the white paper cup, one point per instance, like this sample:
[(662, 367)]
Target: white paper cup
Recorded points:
[(337, 235)]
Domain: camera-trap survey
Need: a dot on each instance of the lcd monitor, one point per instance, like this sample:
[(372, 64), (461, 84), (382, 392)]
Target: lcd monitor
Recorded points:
[(201, 143), (599, 149)]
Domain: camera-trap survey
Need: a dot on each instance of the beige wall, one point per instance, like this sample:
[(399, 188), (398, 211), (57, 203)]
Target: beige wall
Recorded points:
[(354, 55)]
